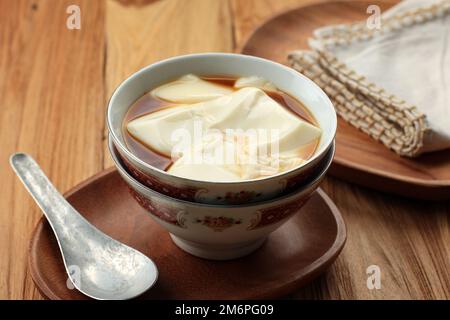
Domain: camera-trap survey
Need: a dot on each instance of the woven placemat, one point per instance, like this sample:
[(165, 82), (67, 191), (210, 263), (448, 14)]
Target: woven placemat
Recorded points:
[(365, 105)]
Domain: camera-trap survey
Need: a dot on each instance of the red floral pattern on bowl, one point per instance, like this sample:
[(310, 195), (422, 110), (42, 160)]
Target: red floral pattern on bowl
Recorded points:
[(187, 193), (204, 193), (240, 197), (265, 217), (218, 223), (168, 214), (295, 181)]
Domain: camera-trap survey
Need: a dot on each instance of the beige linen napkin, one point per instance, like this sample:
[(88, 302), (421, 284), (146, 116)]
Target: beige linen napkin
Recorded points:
[(393, 82)]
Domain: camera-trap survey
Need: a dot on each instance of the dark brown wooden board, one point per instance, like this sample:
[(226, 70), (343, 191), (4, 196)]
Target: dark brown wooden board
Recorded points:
[(291, 257)]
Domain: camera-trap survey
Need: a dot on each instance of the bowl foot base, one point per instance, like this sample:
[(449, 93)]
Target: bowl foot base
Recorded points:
[(217, 252)]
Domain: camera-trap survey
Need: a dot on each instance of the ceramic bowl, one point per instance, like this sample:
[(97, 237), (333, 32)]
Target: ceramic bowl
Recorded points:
[(219, 232), (226, 64)]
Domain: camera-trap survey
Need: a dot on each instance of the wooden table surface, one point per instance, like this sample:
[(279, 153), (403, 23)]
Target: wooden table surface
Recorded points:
[(54, 86)]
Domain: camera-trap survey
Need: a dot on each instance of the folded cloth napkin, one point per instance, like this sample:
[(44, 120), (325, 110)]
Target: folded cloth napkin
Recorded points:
[(393, 82)]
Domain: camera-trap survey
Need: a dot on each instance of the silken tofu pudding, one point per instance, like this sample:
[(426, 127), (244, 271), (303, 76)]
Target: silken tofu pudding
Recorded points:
[(220, 149), (220, 129)]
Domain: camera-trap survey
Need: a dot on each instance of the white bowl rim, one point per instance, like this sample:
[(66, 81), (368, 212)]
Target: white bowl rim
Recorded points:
[(219, 54), (291, 194)]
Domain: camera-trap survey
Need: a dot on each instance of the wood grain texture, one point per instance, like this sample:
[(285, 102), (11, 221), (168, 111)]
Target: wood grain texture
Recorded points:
[(54, 84), (51, 92), (407, 239), (251, 13)]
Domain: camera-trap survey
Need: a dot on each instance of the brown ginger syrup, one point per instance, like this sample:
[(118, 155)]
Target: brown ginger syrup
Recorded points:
[(148, 104)]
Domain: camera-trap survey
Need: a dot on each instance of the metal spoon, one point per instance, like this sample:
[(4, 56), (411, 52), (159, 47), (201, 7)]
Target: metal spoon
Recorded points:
[(98, 266)]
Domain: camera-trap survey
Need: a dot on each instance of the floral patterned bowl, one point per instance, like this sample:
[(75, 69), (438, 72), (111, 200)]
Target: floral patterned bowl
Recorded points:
[(226, 64), (219, 232)]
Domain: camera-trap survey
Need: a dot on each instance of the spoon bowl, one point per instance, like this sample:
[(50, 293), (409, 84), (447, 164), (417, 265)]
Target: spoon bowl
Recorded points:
[(97, 265)]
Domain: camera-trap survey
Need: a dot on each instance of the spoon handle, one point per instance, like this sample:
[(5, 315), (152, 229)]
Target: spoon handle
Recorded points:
[(56, 209)]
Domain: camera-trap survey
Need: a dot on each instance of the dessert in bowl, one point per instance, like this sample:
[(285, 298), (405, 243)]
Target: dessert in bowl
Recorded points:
[(220, 232), (170, 101)]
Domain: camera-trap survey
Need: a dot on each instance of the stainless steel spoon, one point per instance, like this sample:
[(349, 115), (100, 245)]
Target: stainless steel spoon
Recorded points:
[(98, 266)]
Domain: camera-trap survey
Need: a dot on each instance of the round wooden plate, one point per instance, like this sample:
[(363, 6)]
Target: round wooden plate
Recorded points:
[(293, 255), (358, 158)]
